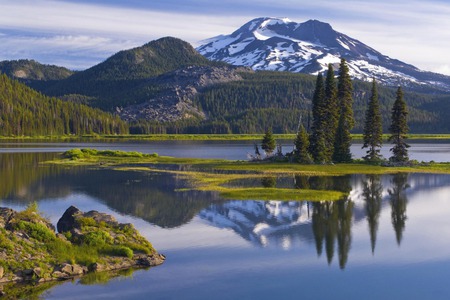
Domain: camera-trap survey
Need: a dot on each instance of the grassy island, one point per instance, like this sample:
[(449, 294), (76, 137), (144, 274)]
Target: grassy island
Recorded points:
[(32, 251), (221, 175)]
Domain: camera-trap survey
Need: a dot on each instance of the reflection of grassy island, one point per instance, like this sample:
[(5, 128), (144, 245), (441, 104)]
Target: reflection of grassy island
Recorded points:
[(86, 242), (216, 175)]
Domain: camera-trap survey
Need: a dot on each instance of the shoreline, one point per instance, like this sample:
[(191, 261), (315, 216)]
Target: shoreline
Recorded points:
[(215, 175), (32, 251), (199, 137)]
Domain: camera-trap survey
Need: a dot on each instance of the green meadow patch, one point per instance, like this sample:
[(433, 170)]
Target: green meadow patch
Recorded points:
[(216, 175)]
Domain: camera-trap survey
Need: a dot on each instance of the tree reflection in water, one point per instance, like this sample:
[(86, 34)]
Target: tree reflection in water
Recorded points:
[(398, 202), (372, 195)]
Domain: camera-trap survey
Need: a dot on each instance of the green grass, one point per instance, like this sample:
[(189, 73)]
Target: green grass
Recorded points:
[(201, 137), (215, 175), (280, 194), (98, 242)]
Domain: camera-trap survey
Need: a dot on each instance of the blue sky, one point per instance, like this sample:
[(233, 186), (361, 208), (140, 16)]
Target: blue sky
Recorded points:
[(79, 34)]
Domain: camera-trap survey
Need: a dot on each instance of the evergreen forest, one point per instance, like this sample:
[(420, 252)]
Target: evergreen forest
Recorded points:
[(27, 112), (259, 100)]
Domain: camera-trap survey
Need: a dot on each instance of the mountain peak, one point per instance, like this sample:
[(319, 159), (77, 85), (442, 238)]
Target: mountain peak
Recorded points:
[(279, 44)]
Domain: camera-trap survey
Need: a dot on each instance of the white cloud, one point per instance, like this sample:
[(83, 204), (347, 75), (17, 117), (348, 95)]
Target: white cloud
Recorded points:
[(412, 31)]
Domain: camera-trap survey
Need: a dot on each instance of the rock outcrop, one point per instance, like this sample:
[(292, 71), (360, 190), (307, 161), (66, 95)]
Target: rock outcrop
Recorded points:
[(30, 249), (179, 88)]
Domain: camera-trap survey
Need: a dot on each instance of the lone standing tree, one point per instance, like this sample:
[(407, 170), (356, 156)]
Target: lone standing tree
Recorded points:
[(343, 139), (268, 143), (399, 129), (301, 143), (372, 127)]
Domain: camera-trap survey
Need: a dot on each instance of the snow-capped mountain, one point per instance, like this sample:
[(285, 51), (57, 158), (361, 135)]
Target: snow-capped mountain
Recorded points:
[(282, 45)]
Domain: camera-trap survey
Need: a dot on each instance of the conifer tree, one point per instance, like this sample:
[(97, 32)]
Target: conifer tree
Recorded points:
[(331, 113), (317, 138), (372, 127), (399, 129), (301, 143), (343, 139), (268, 143)]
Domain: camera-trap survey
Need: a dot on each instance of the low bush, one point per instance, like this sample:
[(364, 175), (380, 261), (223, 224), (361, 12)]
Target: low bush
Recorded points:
[(97, 238), (114, 250), (35, 230)]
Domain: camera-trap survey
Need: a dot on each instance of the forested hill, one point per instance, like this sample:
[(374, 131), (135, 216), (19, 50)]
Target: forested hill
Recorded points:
[(30, 70), (128, 68), (166, 86), (277, 99), (24, 111)]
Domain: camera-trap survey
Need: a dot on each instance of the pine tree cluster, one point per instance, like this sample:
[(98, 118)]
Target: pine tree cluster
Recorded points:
[(332, 121)]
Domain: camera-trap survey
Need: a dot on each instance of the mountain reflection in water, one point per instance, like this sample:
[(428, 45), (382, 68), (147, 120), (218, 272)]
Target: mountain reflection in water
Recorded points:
[(160, 199)]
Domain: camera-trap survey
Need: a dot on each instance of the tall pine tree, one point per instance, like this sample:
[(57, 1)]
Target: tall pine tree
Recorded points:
[(372, 127), (346, 122), (331, 113), (399, 129), (317, 138)]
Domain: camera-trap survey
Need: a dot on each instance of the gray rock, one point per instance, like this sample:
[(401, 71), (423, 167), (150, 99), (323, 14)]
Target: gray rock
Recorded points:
[(77, 270), (71, 270), (67, 221), (66, 268), (6, 214), (180, 87), (96, 267), (60, 275), (100, 217), (150, 260)]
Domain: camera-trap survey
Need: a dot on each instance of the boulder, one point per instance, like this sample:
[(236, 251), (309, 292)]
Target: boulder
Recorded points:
[(2, 271), (6, 214), (72, 270), (150, 260), (100, 217), (67, 221), (66, 268), (60, 275)]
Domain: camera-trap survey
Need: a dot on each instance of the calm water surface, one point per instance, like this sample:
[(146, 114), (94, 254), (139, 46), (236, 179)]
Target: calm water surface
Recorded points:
[(388, 239), (421, 150)]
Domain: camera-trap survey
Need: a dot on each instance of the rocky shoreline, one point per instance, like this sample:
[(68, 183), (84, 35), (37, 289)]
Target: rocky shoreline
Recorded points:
[(32, 251)]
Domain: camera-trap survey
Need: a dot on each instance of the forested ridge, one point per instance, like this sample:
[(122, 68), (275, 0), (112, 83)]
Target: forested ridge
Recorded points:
[(260, 100), (24, 111), (123, 79), (278, 99), (30, 70)]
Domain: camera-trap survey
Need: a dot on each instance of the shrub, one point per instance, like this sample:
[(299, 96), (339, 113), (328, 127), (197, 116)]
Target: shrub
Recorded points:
[(96, 238), (73, 154), (87, 221), (5, 242), (35, 230), (118, 251), (146, 248)]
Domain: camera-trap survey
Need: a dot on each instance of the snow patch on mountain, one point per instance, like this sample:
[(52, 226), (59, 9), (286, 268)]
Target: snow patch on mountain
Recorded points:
[(280, 44)]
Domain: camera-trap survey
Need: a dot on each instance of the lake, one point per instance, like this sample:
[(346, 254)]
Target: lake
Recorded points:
[(388, 239)]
